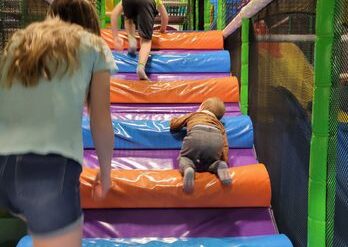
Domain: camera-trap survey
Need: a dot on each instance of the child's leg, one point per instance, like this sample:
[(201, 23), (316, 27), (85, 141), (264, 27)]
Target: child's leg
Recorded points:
[(144, 53), (223, 173), (132, 42), (187, 169), (146, 19)]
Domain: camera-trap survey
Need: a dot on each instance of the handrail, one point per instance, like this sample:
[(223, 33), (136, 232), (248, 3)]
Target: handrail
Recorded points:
[(286, 38), (248, 11)]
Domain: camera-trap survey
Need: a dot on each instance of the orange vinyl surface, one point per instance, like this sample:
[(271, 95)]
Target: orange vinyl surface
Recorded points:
[(196, 91), (209, 40), (164, 189)]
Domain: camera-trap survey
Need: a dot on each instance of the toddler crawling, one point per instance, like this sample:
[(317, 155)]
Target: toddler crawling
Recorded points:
[(205, 147)]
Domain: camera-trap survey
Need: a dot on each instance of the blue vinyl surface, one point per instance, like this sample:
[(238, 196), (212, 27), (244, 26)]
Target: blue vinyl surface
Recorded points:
[(154, 134), (181, 62), (259, 241)]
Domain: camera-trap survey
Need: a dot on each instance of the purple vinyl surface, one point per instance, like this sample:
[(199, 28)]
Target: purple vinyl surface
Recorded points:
[(160, 159), (173, 52), (159, 117), (133, 223), (172, 77), (165, 108), (160, 111)]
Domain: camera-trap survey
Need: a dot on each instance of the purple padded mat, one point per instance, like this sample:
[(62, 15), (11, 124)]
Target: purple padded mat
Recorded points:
[(165, 108), (172, 77), (160, 111), (160, 159), (231, 108), (133, 223), (173, 52), (159, 117)]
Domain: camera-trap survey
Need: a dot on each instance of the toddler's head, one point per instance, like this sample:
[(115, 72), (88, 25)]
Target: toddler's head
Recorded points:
[(214, 105)]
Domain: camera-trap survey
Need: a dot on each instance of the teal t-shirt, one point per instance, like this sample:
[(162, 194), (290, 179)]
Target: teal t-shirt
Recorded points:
[(47, 118)]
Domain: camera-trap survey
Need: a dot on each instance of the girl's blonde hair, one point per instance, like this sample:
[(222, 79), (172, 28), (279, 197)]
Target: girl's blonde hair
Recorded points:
[(41, 51)]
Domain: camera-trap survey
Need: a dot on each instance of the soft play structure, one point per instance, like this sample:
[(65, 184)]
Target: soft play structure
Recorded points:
[(150, 191), (281, 68), (146, 204)]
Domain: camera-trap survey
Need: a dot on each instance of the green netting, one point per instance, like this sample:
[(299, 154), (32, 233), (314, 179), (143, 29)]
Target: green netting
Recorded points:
[(337, 194)]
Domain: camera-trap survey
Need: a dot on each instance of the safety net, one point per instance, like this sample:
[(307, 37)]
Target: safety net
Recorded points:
[(280, 103), (337, 168)]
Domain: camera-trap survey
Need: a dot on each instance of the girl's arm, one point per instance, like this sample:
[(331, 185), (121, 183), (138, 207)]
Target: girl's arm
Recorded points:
[(101, 127)]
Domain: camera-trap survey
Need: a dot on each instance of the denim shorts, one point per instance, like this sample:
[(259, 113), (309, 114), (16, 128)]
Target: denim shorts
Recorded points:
[(42, 189)]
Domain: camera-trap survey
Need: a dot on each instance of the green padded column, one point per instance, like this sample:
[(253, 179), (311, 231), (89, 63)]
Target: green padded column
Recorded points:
[(244, 81), (320, 124), (197, 15), (220, 15), (207, 14), (102, 14)]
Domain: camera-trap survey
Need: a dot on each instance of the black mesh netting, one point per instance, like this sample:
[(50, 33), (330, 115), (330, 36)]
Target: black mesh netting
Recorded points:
[(16, 14), (233, 44), (231, 8), (280, 102), (10, 20), (338, 148)]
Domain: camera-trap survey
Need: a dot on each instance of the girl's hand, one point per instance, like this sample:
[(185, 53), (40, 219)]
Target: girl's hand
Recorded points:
[(100, 187)]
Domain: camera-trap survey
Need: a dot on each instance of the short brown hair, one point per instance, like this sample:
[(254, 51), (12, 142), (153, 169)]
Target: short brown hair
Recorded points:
[(80, 12), (214, 105)]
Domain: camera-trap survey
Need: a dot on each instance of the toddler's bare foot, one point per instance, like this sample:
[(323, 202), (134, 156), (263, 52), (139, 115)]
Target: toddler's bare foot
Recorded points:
[(189, 180)]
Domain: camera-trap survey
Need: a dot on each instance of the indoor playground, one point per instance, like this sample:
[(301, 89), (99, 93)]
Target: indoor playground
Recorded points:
[(281, 67)]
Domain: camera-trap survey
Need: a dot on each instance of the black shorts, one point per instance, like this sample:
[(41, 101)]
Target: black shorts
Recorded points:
[(143, 13), (42, 189)]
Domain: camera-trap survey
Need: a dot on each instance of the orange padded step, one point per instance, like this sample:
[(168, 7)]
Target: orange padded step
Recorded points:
[(124, 91), (164, 189), (209, 40)]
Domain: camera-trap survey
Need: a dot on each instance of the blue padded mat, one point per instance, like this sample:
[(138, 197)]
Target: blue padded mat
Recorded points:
[(154, 134), (259, 241), (171, 62)]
